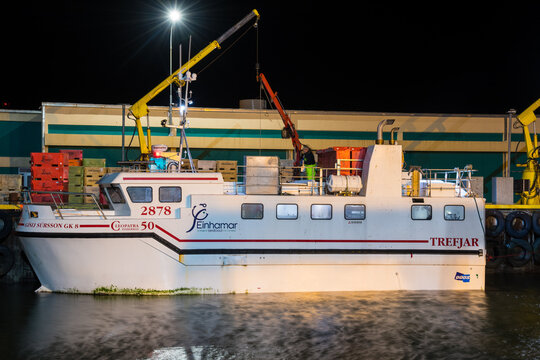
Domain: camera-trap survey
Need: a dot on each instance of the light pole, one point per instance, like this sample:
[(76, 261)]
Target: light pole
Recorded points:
[(174, 16)]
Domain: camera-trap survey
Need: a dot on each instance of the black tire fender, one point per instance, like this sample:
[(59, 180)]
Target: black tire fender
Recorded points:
[(536, 222), (536, 251), (7, 259), (6, 225), (496, 254), (518, 224), (494, 218), (519, 252)]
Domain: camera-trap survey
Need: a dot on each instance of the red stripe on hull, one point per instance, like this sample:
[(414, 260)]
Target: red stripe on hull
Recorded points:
[(170, 178)]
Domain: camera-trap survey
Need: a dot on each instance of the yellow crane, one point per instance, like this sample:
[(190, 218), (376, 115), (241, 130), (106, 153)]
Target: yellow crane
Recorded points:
[(532, 167), (140, 108)]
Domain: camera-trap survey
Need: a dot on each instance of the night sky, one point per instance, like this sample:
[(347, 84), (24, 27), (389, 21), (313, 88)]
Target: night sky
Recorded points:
[(439, 58)]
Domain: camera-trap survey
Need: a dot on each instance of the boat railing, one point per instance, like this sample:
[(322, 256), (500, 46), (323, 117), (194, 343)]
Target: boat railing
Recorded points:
[(293, 180), (57, 201), (457, 181)]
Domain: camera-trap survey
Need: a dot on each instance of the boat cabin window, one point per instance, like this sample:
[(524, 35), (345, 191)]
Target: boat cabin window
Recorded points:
[(321, 211), (287, 211), (115, 194), (355, 212), (252, 211), (454, 212), (170, 194), (140, 194), (421, 212)]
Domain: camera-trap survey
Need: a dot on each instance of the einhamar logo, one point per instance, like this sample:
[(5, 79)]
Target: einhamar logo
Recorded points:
[(200, 224), (462, 277)]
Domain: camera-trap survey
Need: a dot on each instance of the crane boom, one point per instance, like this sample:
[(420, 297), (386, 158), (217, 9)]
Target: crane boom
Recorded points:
[(140, 108), (531, 168), (289, 126)]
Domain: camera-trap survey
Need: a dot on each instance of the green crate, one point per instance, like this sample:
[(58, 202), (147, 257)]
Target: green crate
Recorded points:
[(75, 199), (76, 180), (94, 162), (76, 170), (72, 187)]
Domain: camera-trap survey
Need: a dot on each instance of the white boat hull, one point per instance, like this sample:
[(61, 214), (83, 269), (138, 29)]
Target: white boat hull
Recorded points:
[(127, 264)]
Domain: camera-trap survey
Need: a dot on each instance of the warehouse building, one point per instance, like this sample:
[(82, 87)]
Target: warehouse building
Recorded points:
[(439, 141)]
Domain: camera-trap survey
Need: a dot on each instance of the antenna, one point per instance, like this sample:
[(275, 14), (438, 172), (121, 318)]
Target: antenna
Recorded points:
[(183, 115)]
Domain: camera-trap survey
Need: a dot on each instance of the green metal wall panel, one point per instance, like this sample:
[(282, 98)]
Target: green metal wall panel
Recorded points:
[(19, 138)]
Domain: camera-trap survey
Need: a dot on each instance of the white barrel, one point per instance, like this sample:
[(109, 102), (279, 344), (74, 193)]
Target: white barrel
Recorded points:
[(337, 183)]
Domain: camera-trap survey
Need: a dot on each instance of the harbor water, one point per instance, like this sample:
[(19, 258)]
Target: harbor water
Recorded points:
[(501, 323)]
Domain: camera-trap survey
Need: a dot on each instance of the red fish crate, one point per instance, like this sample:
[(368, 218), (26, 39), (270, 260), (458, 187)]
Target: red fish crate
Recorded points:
[(47, 173), (49, 159), (73, 154), (49, 185)]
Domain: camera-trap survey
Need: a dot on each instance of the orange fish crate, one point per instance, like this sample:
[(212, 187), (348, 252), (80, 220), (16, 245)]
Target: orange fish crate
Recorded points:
[(73, 162), (351, 157)]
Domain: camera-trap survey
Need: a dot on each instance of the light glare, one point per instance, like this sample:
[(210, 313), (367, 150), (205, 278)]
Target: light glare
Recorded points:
[(174, 15)]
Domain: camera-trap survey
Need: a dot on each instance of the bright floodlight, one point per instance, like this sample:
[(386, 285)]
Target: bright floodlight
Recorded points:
[(174, 15)]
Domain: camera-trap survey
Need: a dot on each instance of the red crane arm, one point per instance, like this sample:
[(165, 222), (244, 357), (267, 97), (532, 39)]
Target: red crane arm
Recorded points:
[(289, 126)]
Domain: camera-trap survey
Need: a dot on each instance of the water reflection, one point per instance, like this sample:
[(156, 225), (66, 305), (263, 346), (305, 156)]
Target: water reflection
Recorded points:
[(503, 323)]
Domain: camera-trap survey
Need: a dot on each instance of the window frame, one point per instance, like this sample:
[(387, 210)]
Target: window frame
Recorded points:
[(422, 205), (345, 211), (169, 187), (444, 213), (252, 218), (117, 189), (141, 187), (331, 212), (288, 204)]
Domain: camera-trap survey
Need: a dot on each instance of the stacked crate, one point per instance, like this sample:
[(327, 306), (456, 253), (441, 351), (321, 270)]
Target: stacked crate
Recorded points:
[(206, 166), (10, 184), (75, 174), (228, 169), (75, 157), (111, 170), (76, 184), (351, 158), (49, 173), (186, 165), (94, 169)]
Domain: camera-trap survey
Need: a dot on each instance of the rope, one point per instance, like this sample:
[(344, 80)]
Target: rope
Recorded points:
[(260, 97), (479, 216), (225, 50)]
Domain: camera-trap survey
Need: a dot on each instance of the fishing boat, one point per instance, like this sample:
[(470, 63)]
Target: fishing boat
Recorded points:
[(380, 228)]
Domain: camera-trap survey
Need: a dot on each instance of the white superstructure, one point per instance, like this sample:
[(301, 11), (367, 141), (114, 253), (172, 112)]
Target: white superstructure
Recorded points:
[(168, 231)]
